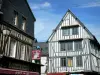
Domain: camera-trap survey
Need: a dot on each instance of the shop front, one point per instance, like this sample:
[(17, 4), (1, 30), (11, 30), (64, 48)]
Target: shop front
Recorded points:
[(11, 66), (5, 71)]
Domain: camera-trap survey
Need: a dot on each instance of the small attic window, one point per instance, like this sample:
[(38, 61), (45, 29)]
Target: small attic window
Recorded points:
[(23, 23), (15, 18)]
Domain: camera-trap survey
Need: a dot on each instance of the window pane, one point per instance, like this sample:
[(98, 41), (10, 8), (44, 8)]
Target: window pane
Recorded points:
[(78, 45), (95, 60), (62, 46), (63, 62), (69, 61), (69, 46), (66, 32), (15, 20), (75, 31), (79, 61), (23, 23)]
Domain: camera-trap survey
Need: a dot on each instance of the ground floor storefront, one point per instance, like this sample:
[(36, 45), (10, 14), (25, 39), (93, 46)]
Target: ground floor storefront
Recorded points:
[(12, 66), (5, 71)]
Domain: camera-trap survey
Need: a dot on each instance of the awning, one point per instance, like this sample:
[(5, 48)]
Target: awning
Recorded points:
[(60, 73), (16, 72)]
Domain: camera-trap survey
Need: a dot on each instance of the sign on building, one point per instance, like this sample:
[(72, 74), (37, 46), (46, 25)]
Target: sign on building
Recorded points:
[(36, 54)]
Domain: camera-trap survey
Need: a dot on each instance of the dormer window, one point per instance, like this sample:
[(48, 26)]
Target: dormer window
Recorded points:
[(23, 23), (15, 18)]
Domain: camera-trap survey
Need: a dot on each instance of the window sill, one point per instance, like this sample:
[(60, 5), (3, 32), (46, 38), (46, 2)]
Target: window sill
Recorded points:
[(70, 66)]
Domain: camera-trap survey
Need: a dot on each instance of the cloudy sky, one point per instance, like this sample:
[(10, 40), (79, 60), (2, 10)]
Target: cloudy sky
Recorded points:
[(48, 14)]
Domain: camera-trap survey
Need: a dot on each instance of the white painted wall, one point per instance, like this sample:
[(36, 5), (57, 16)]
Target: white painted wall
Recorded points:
[(43, 62)]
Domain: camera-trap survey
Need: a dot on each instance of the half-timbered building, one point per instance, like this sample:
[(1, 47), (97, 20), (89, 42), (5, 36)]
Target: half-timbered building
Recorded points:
[(73, 48)]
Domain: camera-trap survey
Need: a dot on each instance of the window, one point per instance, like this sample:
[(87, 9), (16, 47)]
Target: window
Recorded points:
[(96, 49), (79, 62), (69, 61), (95, 60), (62, 46), (66, 32), (13, 48), (23, 23), (78, 45), (15, 18), (63, 62), (22, 52), (66, 46), (69, 46), (75, 31)]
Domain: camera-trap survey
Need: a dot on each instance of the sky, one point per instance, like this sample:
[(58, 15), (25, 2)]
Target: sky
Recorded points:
[(48, 14)]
